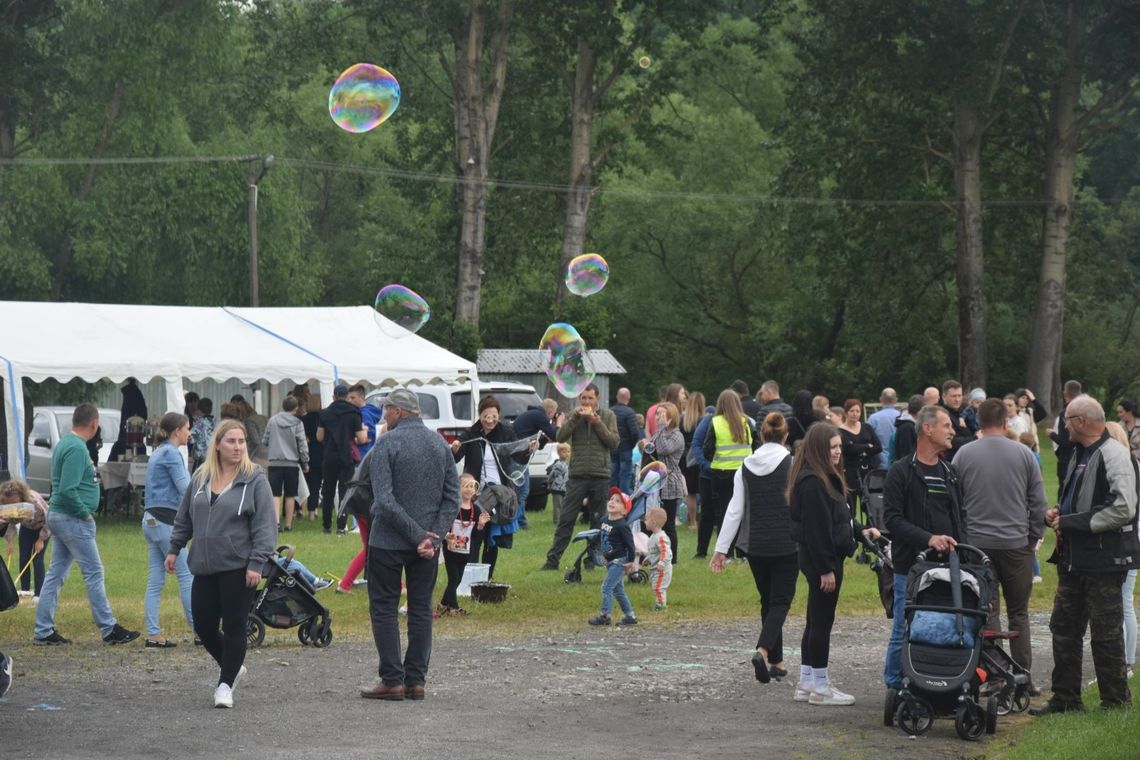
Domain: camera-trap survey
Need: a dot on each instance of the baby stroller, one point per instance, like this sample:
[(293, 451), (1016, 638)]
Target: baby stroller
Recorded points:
[(878, 551), (286, 600), (946, 607), (592, 551), (871, 497)]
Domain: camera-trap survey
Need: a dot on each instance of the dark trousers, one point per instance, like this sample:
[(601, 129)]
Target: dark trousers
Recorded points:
[(1093, 601), (816, 642), (597, 490), (670, 507), (385, 568), (776, 581), (712, 509), (490, 553), (222, 598), (28, 540), (313, 481), (454, 563), (336, 477), (1013, 569)]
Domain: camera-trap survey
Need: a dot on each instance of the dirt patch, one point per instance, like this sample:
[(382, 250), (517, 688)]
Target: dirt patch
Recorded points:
[(662, 691)]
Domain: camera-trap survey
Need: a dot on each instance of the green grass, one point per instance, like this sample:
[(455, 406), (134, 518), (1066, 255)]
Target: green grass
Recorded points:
[(1095, 733)]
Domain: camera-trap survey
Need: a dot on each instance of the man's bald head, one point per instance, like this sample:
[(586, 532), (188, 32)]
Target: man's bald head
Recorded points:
[(931, 395), (623, 395)]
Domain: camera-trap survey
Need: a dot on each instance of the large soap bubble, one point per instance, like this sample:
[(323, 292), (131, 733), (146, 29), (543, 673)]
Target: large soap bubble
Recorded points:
[(565, 359), (403, 306), (587, 274), (363, 97)]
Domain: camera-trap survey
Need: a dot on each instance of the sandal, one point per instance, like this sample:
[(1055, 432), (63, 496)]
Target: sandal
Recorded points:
[(457, 611)]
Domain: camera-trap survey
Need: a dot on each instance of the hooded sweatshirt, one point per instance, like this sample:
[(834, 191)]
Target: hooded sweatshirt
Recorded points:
[(757, 515), (285, 440), (905, 438), (237, 531)]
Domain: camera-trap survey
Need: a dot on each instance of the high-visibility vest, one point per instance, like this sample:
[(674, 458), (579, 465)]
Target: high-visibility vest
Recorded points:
[(729, 454)]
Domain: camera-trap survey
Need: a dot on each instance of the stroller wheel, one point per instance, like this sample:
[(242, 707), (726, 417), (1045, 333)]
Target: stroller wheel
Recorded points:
[(1004, 702), (574, 576), (638, 576), (969, 721), (1021, 699), (915, 716), (254, 631), (991, 715), (322, 633), (304, 635)]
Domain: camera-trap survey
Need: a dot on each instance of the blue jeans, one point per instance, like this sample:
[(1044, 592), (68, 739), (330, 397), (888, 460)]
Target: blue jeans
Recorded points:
[(523, 492), (74, 542), (614, 585), (621, 470), (892, 668), (295, 564), (157, 535)]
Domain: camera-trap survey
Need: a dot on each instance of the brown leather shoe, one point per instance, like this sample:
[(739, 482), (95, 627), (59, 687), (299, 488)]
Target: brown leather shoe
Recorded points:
[(414, 691), (381, 690)]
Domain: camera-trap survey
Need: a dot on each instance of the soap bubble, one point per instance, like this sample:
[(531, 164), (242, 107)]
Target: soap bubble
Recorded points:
[(652, 477), (587, 274), (644, 61), (402, 306), (363, 97), (566, 361)]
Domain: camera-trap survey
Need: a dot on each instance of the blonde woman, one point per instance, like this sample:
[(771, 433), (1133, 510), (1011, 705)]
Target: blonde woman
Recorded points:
[(731, 442), (668, 446), (228, 517), (691, 414)]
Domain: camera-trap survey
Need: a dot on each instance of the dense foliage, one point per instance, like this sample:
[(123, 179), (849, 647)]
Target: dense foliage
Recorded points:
[(771, 185)]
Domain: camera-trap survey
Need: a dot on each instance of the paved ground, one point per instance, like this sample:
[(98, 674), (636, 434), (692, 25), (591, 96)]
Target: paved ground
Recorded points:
[(656, 691)]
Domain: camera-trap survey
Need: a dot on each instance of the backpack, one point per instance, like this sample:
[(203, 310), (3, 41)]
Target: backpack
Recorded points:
[(357, 498)]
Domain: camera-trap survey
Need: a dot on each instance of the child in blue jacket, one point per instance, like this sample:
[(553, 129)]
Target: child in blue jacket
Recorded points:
[(620, 553)]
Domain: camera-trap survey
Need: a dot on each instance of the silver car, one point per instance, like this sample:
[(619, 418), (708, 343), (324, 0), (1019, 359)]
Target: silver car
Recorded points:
[(49, 425)]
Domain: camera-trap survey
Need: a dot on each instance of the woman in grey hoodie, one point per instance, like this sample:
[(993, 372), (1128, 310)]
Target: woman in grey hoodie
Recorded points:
[(228, 514)]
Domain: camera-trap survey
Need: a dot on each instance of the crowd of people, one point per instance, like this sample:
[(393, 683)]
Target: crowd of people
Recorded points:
[(778, 484)]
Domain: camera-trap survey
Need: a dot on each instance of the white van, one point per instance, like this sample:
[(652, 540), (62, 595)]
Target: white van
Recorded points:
[(450, 408)]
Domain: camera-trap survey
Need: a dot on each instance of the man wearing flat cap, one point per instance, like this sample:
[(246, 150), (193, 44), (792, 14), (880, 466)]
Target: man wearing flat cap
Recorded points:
[(415, 498)]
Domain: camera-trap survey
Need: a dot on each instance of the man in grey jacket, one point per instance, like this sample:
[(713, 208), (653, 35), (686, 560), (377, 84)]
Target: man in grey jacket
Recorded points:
[(284, 440), (415, 498), (1004, 498)]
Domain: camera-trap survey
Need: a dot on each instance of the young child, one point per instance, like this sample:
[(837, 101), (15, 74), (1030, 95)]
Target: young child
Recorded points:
[(619, 551), (557, 473), (660, 557), (457, 544)]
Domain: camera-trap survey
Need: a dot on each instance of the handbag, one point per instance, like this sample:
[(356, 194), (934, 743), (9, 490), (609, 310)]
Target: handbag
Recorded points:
[(9, 599)]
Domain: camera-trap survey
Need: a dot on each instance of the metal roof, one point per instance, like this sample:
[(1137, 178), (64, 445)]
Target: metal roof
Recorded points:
[(530, 361)]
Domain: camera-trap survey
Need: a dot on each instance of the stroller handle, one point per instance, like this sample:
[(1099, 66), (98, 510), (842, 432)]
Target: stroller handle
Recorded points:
[(962, 549)]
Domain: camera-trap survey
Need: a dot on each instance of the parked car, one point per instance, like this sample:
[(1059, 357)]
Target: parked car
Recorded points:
[(450, 408), (49, 425)]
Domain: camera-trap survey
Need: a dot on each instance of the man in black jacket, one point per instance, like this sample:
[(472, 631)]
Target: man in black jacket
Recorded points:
[(922, 508), (621, 458), (1059, 434), (339, 428), (952, 399)]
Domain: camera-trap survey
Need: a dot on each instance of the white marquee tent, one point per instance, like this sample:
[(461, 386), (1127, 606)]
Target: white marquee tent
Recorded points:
[(42, 340)]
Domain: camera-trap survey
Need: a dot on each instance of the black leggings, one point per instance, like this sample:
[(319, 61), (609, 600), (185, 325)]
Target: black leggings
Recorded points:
[(712, 509), (454, 563), (28, 540), (816, 643), (776, 582), (222, 597), (335, 481), (670, 507)]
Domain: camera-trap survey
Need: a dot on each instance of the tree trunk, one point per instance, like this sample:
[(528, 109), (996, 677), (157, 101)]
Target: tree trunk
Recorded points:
[(972, 353), (1043, 374), (581, 164), (476, 115)]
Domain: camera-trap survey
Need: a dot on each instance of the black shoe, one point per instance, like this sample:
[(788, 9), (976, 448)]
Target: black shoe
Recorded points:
[(760, 667), (326, 531), (160, 644), (1033, 690), (5, 674), (1051, 707), (698, 555), (628, 620), (120, 635), (778, 674), (549, 566), (198, 642), (52, 639)]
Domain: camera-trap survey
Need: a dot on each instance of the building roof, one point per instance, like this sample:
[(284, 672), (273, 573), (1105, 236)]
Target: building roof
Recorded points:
[(530, 361)]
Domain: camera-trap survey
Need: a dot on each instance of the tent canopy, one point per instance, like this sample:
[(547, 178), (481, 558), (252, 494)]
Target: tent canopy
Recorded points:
[(41, 340)]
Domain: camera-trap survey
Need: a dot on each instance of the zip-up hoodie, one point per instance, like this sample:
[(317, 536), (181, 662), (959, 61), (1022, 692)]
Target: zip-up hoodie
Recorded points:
[(760, 510), (285, 438), (237, 532)]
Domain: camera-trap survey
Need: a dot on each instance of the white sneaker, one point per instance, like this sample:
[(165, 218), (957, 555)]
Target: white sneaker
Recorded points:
[(223, 696), (240, 675), (802, 694), (830, 696)]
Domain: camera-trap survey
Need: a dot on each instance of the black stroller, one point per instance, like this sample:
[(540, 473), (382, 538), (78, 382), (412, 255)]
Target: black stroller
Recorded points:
[(593, 547), (942, 662), (286, 600), (871, 497)]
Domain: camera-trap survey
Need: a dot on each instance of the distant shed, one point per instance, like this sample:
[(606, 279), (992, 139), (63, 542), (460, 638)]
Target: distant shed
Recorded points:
[(525, 365)]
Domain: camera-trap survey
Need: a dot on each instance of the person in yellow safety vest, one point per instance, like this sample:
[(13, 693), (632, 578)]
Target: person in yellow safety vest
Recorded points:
[(733, 438)]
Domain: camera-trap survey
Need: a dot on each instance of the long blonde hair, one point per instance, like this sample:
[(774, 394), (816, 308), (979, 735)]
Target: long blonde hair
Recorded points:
[(728, 406), (210, 467), (693, 412)]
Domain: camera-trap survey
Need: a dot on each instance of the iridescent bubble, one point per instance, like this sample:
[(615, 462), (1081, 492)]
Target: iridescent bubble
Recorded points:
[(652, 477), (644, 61), (587, 274), (565, 359), (363, 97), (402, 306)]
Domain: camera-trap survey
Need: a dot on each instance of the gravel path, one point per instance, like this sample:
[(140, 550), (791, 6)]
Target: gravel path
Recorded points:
[(660, 691)]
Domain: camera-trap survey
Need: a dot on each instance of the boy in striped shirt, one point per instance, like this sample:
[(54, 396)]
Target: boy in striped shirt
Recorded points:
[(660, 557)]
